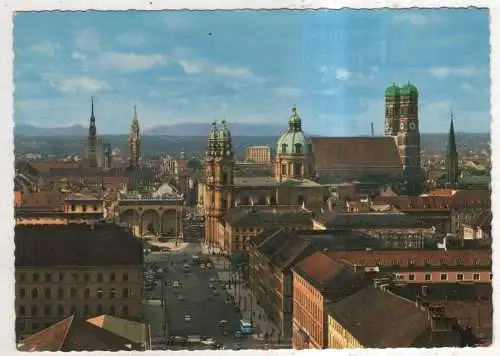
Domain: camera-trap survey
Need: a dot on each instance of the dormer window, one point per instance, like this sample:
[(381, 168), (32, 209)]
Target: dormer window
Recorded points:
[(298, 148), (283, 147)]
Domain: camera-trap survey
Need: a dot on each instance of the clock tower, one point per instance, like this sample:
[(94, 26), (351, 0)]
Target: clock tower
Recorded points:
[(219, 180)]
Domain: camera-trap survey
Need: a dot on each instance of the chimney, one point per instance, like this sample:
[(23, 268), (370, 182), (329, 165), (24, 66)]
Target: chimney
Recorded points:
[(373, 131)]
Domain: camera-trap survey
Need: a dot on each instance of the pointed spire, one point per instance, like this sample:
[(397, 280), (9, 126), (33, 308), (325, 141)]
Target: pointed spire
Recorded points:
[(452, 155), (135, 112), (92, 108)]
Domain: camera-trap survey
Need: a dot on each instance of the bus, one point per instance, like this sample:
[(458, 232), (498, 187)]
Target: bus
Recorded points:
[(246, 327)]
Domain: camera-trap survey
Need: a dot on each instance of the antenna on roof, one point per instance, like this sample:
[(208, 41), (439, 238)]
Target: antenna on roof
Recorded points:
[(373, 131)]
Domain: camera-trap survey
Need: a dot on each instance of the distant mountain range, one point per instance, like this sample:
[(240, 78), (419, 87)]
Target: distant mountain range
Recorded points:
[(182, 129)]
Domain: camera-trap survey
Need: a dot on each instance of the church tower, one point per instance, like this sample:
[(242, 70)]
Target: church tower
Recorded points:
[(134, 141), (392, 100), (408, 138), (294, 152), (452, 171), (218, 170), (92, 139)]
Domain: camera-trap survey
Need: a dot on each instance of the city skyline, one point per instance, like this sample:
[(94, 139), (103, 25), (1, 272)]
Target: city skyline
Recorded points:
[(331, 67)]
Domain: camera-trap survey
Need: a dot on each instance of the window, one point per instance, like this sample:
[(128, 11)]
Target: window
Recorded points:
[(112, 310), (125, 293), (86, 277), (298, 148), (395, 262), (35, 277), (125, 277), (60, 310), (427, 262), (22, 293), (74, 292), (22, 277), (444, 277), (411, 262), (86, 293), (84, 207), (73, 310), (48, 293), (34, 293), (442, 261), (34, 310), (476, 276), (427, 277), (112, 293), (112, 277), (99, 309), (475, 262), (125, 310), (460, 261), (86, 310), (60, 293), (48, 277), (22, 310), (94, 208), (283, 147), (460, 276), (411, 277), (47, 310), (300, 200), (21, 325), (73, 208), (61, 277), (99, 277)]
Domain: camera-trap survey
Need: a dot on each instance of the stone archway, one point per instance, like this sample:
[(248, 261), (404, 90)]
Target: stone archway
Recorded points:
[(150, 222), (131, 218), (169, 223)]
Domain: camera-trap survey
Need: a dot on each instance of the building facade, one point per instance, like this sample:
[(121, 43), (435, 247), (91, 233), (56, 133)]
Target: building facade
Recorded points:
[(258, 154), (80, 270)]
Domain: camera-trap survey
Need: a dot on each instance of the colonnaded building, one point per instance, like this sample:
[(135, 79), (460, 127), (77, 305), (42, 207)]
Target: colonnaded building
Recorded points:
[(304, 166)]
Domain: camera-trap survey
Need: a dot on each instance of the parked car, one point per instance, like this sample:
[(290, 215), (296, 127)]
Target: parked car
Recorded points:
[(187, 318)]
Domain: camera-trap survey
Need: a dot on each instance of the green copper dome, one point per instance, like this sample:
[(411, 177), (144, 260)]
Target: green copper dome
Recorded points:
[(294, 141), (224, 133), (213, 132), (393, 90), (409, 90)]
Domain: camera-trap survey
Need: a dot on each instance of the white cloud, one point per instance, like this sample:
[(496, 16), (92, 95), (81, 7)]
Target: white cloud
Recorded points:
[(78, 56), (192, 67), (235, 72), (132, 39), (46, 47), (131, 61), (342, 73), (414, 19), (465, 72), (87, 40), (86, 84)]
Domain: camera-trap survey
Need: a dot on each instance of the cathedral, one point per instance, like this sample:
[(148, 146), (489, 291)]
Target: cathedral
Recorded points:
[(305, 167)]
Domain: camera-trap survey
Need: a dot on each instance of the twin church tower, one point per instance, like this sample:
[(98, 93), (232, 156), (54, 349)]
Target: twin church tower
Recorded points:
[(99, 153)]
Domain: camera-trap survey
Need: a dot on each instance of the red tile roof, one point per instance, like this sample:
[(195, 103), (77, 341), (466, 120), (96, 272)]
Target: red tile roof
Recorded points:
[(71, 334), (415, 258), (405, 203), (45, 166), (320, 267), (333, 152)]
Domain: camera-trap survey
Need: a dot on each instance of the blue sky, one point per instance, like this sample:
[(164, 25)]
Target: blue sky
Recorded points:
[(251, 67)]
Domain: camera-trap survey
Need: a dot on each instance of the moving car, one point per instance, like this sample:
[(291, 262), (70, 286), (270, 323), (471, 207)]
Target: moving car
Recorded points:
[(186, 268), (209, 342), (176, 284), (187, 318)]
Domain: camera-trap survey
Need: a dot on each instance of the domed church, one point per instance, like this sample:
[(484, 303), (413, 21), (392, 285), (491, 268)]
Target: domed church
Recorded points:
[(293, 183)]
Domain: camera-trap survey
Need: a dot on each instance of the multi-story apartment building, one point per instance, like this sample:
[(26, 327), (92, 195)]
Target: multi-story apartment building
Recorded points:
[(258, 154), (82, 270)]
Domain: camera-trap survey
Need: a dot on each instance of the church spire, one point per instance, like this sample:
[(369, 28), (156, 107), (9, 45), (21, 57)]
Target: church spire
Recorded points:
[(92, 127), (134, 140), (452, 155)]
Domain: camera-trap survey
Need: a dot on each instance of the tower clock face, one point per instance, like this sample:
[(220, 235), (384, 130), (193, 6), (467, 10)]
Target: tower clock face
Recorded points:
[(402, 126), (413, 126)]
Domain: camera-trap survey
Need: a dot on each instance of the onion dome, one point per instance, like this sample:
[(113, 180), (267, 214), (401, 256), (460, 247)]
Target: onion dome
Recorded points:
[(393, 90), (294, 141), (224, 133), (213, 135), (409, 90)]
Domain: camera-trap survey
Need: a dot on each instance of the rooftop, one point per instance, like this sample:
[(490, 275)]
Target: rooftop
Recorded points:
[(272, 182), (71, 334), (334, 219), (243, 217), (100, 244)]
